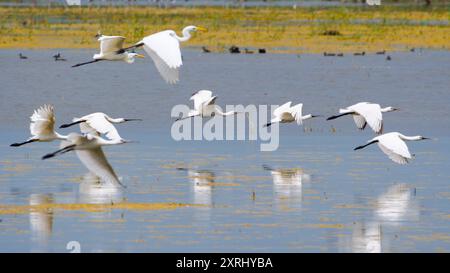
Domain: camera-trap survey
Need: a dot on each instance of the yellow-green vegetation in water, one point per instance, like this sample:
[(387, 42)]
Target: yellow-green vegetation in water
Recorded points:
[(279, 29), (24, 209)]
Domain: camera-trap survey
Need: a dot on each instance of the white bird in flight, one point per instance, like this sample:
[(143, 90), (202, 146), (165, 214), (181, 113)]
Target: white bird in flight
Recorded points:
[(164, 49), (364, 113), (204, 106), (394, 146), (111, 49), (42, 126), (89, 151), (99, 124), (287, 113)]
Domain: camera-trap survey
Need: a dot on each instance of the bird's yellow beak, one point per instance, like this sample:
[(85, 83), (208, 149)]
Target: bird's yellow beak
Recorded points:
[(140, 56), (202, 29)]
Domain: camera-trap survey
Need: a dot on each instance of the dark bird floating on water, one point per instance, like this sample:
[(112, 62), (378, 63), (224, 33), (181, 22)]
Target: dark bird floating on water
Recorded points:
[(234, 49), (205, 50), (57, 57), (23, 57), (261, 50), (329, 54), (359, 53), (381, 52), (388, 58), (340, 55)]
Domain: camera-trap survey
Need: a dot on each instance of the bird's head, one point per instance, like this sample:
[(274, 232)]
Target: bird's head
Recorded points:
[(131, 57), (389, 109), (194, 29)]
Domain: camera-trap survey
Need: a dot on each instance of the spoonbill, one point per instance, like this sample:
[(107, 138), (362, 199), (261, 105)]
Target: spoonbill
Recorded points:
[(89, 152), (204, 106), (42, 126), (99, 123), (164, 49), (287, 113), (111, 49), (364, 113), (394, 146)]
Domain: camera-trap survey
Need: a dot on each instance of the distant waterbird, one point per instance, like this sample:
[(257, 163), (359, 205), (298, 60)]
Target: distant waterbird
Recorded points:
[(99, 124), (42, 126), (381, 52), (364, 113), (204, 106), (205, 49), (394, 146), (234, 50), (58, 57), (287, 113), (359, 53), (111, 49), (23, 57), (388, 58), (262, 51)]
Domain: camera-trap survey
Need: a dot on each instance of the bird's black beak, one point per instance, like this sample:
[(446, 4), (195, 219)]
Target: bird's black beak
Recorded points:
[(424, 138), (133, 119), (316, 116)]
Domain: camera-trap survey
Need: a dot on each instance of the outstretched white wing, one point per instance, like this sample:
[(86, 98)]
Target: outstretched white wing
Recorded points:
[(372, 114), (110, 44), (200, 98), (42, 121), (394, 147), (296, 112), (281, 109), (360, 121), (164, 49), (99, 123), (95, 161)]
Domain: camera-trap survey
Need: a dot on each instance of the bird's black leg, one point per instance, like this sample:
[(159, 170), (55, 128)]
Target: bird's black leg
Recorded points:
[(334, 117), (71, 124), (23, 143), (363, 146), (90, 62), (60, 151)]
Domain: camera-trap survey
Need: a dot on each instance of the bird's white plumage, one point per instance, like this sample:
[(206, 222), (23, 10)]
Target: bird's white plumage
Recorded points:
[(281, 109), (366, 112), (201, 98), (43, 122), (394, 147), (110, 44), (296, 112), (164, 49), (95, 161), (98, 123)]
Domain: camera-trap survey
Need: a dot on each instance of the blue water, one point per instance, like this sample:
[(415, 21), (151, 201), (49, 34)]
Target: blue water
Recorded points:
[(345, 200)]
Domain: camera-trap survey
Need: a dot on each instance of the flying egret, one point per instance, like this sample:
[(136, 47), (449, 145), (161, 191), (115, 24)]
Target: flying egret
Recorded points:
[(164, 49), (287, 113), (204, 106), (394, 146), (89, 151), (111, 49), (42, 126), (364, 113), (97, 124)]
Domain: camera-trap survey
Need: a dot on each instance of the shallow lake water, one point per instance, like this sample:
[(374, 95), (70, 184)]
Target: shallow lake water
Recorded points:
[(313, 194)]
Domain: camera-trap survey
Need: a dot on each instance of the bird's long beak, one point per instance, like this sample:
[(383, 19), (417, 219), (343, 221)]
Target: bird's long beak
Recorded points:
[(140, 56), (425, 138), (202, 29), (316, 116), (133, 119)]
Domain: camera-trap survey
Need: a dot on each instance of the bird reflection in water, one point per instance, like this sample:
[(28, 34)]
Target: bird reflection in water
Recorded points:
[(287, 185), (392, 209), (202, 185), (41, 221), (94, 190)]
